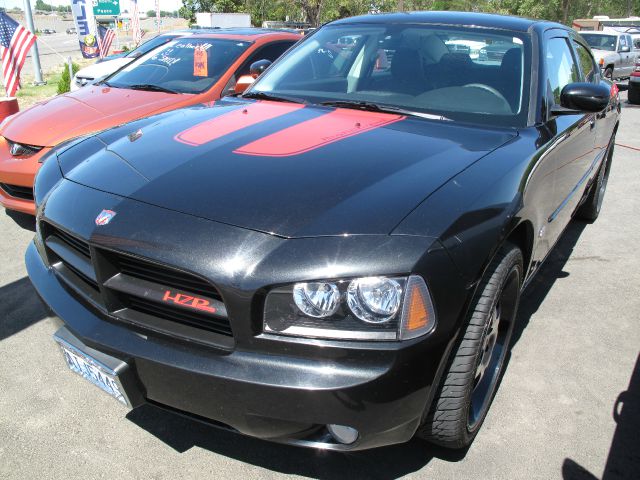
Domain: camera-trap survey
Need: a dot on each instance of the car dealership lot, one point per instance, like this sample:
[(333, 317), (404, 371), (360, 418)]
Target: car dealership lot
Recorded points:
[(553, 415)]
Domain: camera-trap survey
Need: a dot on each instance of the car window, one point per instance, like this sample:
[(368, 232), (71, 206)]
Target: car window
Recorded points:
[(587, 64), (270, 52), (185, 65), (636, 43), (466, 73), (623, 41), (561, 67), (150, 45), (600, 42)]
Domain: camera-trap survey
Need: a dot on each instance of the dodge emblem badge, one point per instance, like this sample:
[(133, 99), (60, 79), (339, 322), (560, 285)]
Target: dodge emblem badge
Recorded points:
[(105, 217)]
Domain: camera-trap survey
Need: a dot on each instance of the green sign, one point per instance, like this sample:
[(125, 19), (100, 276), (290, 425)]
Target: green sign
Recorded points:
[(106, 7)]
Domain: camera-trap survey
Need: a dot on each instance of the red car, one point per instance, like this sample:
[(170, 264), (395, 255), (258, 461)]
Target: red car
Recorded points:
[(186, 71)]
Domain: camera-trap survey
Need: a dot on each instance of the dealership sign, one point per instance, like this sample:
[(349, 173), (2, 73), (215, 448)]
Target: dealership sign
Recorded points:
[(82, 11)]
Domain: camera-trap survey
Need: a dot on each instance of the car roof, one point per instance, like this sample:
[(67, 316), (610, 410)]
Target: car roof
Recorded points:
[(486, 20), (244, 33), (599, 32), (230, 33)]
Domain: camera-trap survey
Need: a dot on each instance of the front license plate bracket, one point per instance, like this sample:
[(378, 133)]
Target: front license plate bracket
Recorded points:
[(108, 373)]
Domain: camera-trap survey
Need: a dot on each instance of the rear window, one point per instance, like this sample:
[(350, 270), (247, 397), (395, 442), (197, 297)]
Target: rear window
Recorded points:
[(601, 42)]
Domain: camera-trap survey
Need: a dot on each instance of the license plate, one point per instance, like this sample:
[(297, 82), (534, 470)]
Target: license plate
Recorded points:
[(94, 371)]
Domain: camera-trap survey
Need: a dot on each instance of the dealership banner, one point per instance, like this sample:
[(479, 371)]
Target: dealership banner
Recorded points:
[(82, 11)]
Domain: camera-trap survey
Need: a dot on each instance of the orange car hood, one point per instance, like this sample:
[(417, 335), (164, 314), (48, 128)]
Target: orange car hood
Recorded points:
[(87, 110)]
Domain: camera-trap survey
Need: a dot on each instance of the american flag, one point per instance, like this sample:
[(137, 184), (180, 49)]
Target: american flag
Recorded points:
[(105, 39), (15, 42), (135, 23)]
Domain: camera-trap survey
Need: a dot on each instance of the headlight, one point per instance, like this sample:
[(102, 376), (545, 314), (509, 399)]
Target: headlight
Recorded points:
[(374, 299), (368, 308), (22, 150), (317, 299)]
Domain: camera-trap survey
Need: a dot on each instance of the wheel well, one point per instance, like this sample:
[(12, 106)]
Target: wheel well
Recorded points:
[(522, 236)]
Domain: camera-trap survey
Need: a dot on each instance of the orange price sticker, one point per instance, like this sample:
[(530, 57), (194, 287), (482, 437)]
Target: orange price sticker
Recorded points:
[(199, 62)]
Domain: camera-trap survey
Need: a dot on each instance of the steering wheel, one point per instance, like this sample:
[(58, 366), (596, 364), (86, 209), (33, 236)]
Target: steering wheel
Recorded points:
[(489, 89)]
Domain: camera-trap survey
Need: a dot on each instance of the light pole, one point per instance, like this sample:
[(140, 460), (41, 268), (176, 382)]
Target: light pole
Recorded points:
[(34, 49)]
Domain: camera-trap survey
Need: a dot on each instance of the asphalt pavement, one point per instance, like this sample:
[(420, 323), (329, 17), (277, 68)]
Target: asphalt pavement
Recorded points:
[(568, 406)]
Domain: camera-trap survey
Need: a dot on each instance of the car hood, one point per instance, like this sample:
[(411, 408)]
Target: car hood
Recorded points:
[(84, 111), (281, 168), (102, 69)]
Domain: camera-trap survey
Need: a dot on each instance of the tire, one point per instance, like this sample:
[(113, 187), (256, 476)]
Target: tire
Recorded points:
[(476, 364), (608, 73), (633, 95), (590, 209)]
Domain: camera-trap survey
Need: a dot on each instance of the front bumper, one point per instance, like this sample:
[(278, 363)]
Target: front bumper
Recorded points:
[(279, 396)]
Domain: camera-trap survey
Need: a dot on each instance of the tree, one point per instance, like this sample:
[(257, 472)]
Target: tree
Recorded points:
[(312, 10), (191, 7), (45, 7)]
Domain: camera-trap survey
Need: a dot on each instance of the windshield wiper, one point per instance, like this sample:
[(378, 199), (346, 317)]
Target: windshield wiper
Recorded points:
[(273, 98), (376, 107), (151, 88)]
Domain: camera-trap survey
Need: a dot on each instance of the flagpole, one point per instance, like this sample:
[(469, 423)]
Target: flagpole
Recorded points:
[(34, 49)]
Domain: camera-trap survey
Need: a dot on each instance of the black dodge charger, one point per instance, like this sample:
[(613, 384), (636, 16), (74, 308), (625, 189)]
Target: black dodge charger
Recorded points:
[(333, 259)]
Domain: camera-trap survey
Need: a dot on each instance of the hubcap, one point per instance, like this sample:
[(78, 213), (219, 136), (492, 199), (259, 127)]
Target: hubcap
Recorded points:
[(493, 351)]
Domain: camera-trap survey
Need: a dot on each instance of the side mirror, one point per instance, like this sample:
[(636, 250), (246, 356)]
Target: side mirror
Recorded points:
[(625, 49), (243, 83), (581, 97), (256, 68)]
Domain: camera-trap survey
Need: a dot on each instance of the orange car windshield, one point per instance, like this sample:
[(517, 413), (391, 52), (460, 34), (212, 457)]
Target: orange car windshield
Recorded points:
[(182, 66)]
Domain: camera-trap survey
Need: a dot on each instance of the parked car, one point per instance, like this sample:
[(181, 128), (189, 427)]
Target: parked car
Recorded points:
[(47, 31), (633, 94), (71, 31), (335, 258), (613, 52), (163, 79)]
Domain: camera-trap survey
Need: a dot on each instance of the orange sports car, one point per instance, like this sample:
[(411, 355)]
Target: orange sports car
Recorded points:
[(186, 71)]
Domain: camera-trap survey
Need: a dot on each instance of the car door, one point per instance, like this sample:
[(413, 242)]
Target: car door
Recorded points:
[(571, 148), (589, 72), (271, 51), (624, 51)]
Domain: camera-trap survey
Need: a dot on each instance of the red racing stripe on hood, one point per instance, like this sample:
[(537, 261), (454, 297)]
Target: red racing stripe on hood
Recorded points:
[(233, 121), (318, 132)]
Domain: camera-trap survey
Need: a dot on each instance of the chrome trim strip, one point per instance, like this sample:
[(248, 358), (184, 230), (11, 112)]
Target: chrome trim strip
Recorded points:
[(311, 332)]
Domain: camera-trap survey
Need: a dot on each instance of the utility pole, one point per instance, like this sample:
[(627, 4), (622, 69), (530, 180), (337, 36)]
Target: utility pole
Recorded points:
[(34, 49)]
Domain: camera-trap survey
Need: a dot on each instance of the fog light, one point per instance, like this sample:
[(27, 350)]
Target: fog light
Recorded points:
[(343, 434)]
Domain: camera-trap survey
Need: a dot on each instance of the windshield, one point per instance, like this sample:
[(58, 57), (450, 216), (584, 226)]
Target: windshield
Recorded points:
[(470, 74), (150, 45), (601, 42), (185, 65)]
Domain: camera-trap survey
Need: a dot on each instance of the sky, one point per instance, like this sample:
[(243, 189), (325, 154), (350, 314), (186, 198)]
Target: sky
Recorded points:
[(143, 5)]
